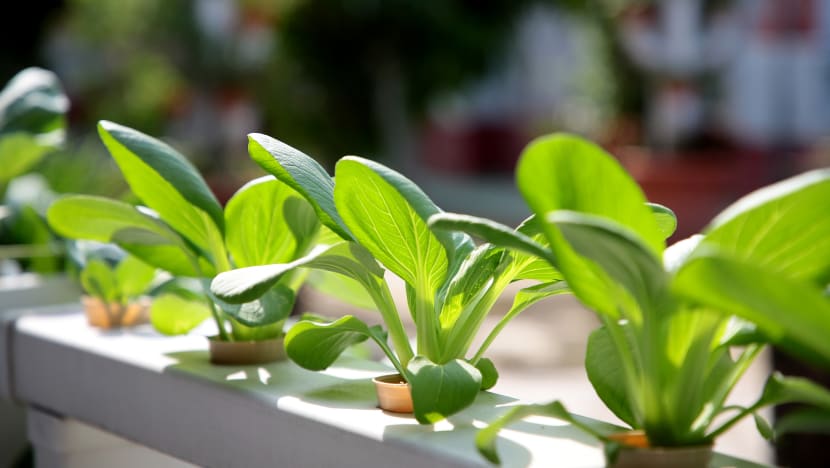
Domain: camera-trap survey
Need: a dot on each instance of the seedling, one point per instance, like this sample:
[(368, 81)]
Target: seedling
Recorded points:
[(380, 219)]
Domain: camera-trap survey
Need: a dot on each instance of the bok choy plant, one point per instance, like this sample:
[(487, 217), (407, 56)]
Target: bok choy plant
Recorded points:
[(182, 229), (380, 221), (680, 325)]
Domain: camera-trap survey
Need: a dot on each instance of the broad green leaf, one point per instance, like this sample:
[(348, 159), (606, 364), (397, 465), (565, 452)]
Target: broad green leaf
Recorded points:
[(382, 220), (105, 220), (98, 280), (565, 172), (489, 373), (487, 437), (247, 284), (490, 231), (606, 372), (457, 244), (440, 390), (302, 173), (133, 276), (793, 315), (618, 252), (783, 227), (315, 346), (665, 217), (341, 287), (172, 314), (810, 420), (33, 102), (256, 229), (166, 182), (273, 306), (163, 250)]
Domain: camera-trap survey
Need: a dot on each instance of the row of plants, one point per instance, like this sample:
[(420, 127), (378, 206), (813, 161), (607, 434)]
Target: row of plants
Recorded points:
[(680, 324)]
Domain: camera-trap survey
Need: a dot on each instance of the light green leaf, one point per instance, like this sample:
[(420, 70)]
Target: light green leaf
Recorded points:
[(302, 173), (98, 280), (457, 244), (618, 252), (387, 226), (272, 307), (565, 172), (315, 346), (440, 390), (793, 315), (171, 314), (341, 287), (783, 227), (105, 220), (665, 217), (19, 152), (166, 182), (257, 230), (471, 282), (133, 276)]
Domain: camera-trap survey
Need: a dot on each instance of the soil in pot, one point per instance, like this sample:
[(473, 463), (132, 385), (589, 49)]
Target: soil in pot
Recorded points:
[(113, 315), (394, 394), (246, 352), (635, 452)]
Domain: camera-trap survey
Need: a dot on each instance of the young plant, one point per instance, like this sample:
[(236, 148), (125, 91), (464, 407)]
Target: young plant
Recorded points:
[(184, 231), (380, 218), (32, 109), (119, 285), (672, 347)]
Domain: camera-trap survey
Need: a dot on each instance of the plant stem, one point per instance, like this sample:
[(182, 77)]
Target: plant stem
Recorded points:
[(223, 334), (382, 297)]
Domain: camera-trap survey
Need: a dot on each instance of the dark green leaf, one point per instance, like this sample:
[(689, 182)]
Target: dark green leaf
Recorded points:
[(315, 346), (440, 390), (489, 373), (605, 370), (809, 420), (779, 389), (763, 426), (272, 307), (301, 173), (33, 102)]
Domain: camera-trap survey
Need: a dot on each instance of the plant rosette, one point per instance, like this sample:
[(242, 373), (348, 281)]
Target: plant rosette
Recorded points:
[(680, 325), (377, 221), (182, 229), (115, 296)]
